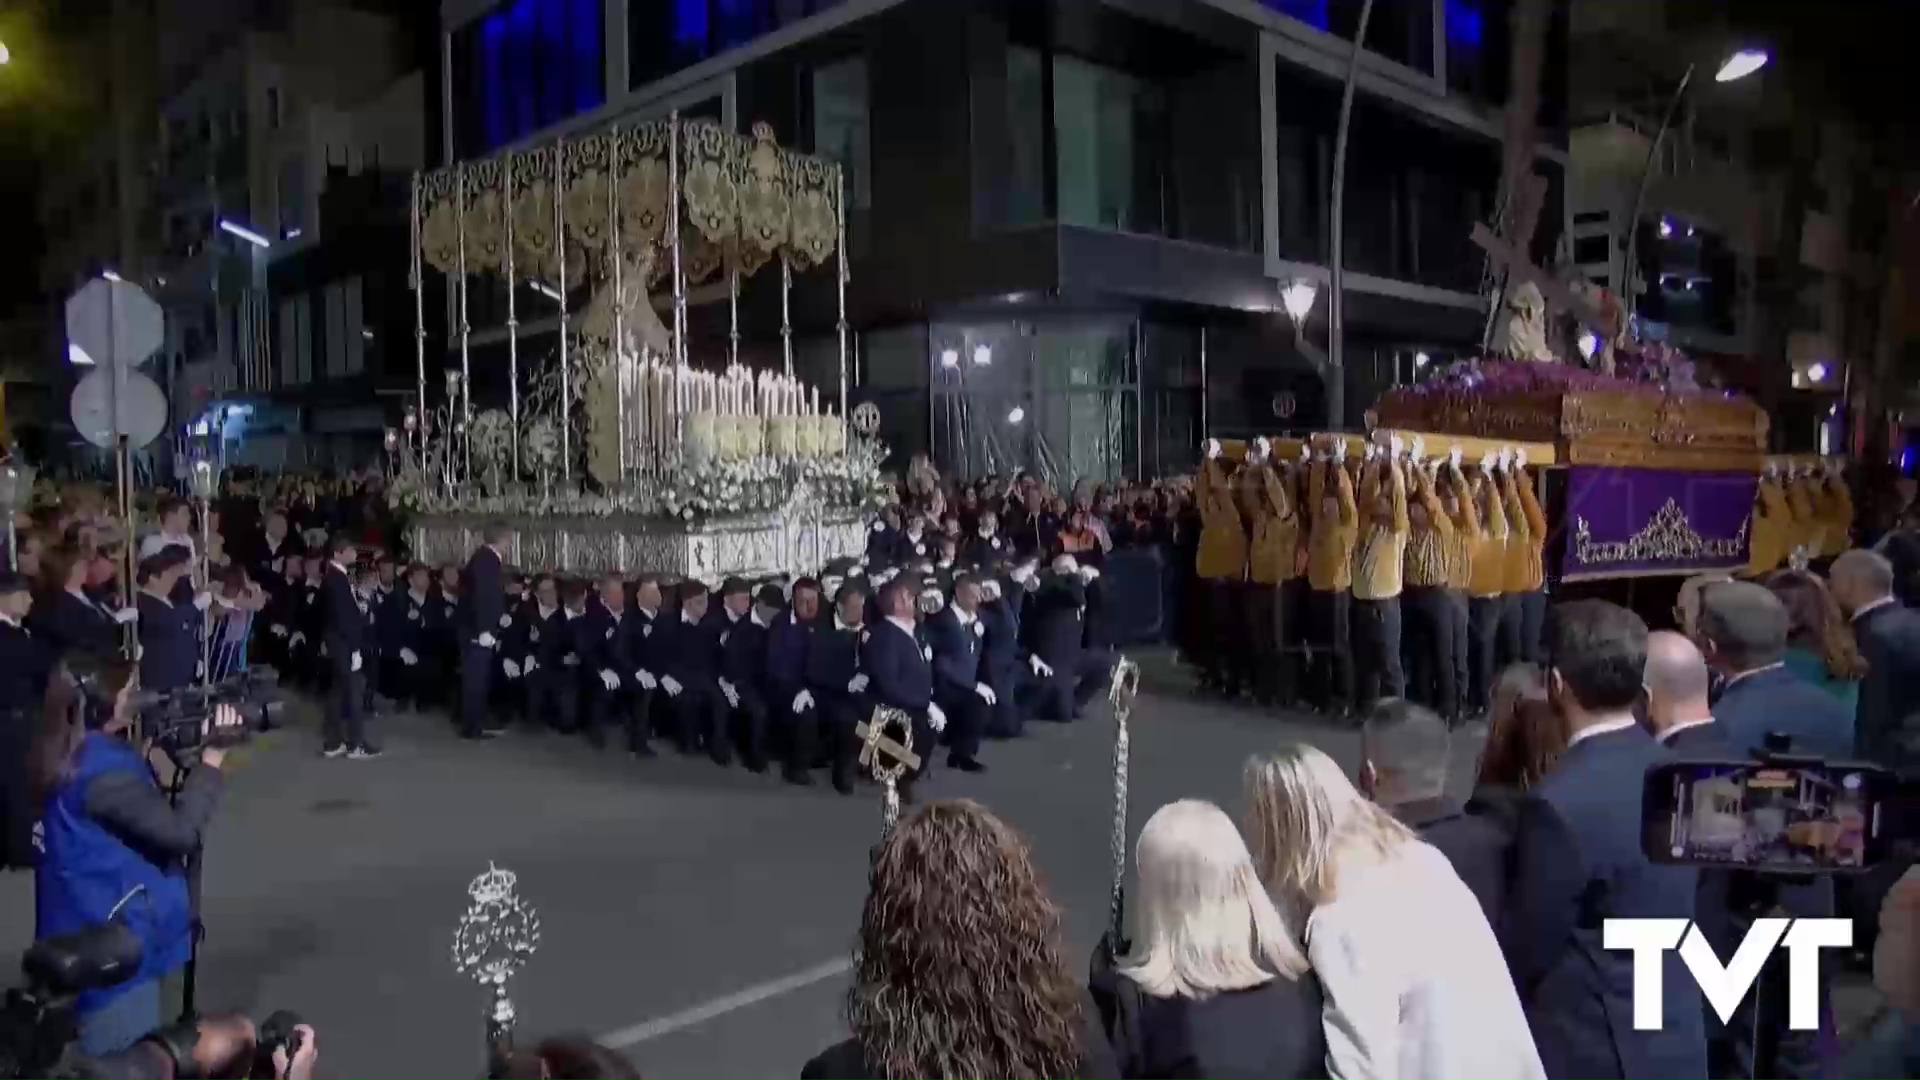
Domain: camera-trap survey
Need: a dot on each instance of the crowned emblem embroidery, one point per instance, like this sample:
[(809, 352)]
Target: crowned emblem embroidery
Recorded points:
[(1668, 537)]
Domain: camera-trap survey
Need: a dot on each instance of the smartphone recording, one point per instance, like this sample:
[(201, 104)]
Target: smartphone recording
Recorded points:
[(1783, 816)]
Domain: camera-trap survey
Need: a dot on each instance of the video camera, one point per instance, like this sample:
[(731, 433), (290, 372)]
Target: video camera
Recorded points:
[(176, 720), (38, 1022)]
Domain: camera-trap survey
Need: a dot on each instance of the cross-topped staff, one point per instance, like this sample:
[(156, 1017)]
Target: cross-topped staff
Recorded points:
[(1126, 686), (888, 760)]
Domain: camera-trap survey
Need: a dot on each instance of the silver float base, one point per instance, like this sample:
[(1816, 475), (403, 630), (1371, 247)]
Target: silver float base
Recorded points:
[(748, 547)]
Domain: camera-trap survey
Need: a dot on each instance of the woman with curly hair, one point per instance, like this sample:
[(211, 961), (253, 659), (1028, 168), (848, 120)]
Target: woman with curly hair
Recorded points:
[(959, 972), (1524, 735), (1820, 642)]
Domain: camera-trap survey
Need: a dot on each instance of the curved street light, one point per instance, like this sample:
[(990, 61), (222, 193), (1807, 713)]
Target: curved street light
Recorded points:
[(1739, 65)]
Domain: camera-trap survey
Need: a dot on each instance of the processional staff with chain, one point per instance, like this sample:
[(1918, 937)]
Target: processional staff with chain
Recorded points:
[(1126, 686), (886, 758)]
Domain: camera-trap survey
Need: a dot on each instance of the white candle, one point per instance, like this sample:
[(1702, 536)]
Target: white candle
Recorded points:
[(815, 411)]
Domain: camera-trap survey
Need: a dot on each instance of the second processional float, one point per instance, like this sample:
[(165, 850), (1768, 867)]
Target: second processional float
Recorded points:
[(617, 450)]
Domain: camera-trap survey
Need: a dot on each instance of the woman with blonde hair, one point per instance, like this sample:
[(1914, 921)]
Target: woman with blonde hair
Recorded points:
[(960, 971), (1415, 982), (1215, 984)]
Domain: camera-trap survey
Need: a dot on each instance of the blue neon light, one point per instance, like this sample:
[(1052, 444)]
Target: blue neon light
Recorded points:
[(1466, 25), (534, 63)]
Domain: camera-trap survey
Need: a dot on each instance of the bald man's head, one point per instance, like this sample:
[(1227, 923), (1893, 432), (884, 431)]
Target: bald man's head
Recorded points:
[(1676, 677)]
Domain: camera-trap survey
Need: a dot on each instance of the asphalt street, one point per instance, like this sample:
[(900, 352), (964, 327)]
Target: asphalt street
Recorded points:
[(700, 918)]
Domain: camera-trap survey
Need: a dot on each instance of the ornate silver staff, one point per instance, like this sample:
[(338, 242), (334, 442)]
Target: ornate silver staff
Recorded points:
[(1126, 685), (887, 759), (496, 935)]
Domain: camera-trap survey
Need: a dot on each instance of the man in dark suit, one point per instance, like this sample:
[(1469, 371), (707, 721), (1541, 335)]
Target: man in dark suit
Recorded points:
[(956, 634), (552, 684), (345, 634), (1887, 722), (835, 681), (1070, 674), (1742, 632), (743, 663), (609, 659), (691, 679), (794, 709), (402, 631), (479, 617), (1680, 717), (1578, 862), (899, 671), (1003, 664), (1404, 751), (1887, 725)]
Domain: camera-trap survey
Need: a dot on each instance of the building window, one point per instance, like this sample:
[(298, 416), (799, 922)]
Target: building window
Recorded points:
[(1400, 30), (1026, 131), (666, 36), (842, 125), (525, 66), (1110, 134)]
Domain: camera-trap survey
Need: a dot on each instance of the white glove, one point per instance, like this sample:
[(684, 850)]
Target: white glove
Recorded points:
[(1772, 470), (803, 701), (203, 600), (1211, 448), (298, 638), (645, 679), (529, 665), (727, 691), (1306, 450), (936, 719), (1369, 451), (1088, 573), (858, 683), (487, 640), (1040, 667), (1453, 455), (512, 669), (571, 660), (670, 685), (985, 692), (1506, 457), (1339, 450), (1520, 458), (323, 650), (354, 661), (200, 670), (609, 680), (1417, 449), (126, 615), (1489, 460), (409, 657)]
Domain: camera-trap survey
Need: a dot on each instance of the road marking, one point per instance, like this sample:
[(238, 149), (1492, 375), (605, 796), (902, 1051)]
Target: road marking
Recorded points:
[(720, 1006)]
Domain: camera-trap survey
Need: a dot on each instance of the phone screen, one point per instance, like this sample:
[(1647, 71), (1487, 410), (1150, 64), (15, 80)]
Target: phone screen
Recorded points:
[(1776, 816)]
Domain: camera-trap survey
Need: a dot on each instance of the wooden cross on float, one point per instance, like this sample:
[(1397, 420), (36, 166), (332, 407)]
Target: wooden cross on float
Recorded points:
[(1512, 256)]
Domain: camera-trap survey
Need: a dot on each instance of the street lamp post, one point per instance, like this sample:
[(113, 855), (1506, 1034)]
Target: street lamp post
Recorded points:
[(1738, 66)]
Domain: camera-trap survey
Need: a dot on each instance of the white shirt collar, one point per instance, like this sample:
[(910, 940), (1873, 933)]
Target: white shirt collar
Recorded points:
[(966, 618), (1885, 601), (754, 614), (1602, 727), (845, 626), (9, 620), (1732, 679), (336, 566), (547, 612), (650, 613), (906, 625), (1667, 735), (417, 597), (687, 617)]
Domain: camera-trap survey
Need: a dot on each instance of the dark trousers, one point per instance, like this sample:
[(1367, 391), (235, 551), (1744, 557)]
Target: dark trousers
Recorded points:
[(1429, 648), (402, 683), (1483, 616), (1075, 681), (1460, 614), (1533, 626), (1223, 651), (1014, 687), (1510, 649), (553, 697), (345, 722), (799, 734), (966, 719), (1376, 649), (1328, 614), (1259, 604), (476, 676), (840, 714), (1289, 635), (700, 717), (628, 706), (748, 731)]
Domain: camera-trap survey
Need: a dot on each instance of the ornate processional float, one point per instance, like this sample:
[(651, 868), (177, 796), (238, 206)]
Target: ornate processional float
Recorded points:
[(616, 449)]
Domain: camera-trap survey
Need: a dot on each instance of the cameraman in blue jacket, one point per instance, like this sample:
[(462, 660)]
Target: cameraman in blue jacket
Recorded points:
[(114, 846)]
